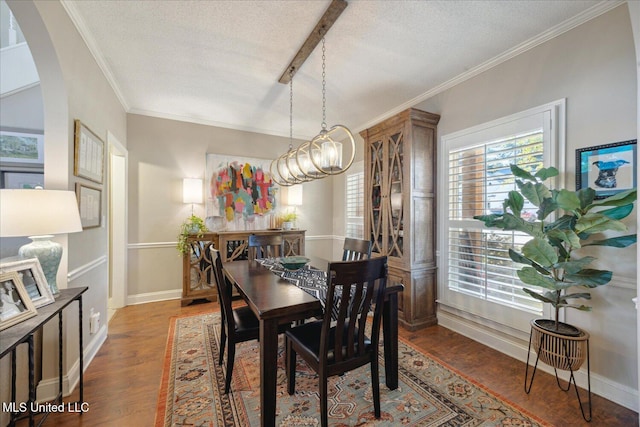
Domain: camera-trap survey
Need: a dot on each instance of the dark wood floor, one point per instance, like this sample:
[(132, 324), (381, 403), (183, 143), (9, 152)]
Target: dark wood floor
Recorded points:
[(122, 382)]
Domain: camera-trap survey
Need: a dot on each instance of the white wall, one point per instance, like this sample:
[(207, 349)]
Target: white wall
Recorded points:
[(593, 67)]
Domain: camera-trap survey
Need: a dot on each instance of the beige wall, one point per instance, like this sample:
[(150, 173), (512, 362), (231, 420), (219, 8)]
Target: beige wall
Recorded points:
[(161, 153), (592, 66)]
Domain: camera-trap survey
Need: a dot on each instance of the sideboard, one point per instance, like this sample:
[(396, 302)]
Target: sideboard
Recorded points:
[(197, 274)]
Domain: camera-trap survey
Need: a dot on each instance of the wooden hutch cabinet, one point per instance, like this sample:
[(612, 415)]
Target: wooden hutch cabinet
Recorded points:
[(400, 208), (197, 268)]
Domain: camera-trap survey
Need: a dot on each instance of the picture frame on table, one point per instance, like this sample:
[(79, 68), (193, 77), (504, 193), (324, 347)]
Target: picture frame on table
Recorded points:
[(88, 158), (21, 146), (89, 205), (33, 279), (608, 169), (15, 304)]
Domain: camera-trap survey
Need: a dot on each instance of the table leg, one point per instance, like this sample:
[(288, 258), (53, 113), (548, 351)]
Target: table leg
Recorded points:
[(81, 350), (32, 382), (60, 353), (390, 330), (268, 371), (13, 414)]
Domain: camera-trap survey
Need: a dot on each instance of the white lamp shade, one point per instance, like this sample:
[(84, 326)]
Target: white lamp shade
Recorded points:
[(38, 212), (294, 195), (192, 190)]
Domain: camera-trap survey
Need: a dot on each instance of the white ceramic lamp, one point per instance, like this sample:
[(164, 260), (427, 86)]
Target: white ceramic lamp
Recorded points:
[(40, 214)]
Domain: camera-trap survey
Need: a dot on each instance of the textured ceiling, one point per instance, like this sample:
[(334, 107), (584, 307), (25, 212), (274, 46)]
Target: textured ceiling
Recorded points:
[(218, 62)]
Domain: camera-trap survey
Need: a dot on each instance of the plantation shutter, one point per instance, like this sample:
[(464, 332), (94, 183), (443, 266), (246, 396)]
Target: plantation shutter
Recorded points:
[(479, 180), (354, 226)]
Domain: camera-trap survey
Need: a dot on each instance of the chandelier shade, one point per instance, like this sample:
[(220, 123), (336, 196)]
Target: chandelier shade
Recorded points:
[(327, 144)]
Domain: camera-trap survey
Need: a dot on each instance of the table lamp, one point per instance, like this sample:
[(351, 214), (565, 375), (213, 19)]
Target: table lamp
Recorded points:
[(192, 191), (39, 214)]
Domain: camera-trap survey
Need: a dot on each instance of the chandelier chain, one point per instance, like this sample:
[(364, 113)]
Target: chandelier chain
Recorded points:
[(291, 109), (324, 89)]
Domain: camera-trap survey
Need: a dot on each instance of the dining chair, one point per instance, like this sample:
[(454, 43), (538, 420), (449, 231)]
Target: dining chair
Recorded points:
[(356, 249), (334, 346), (236, 324), (265, 246)]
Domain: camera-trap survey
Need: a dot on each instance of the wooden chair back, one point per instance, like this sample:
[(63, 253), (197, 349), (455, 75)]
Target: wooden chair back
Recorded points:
[(225, 290), (265, 246), (355, 287), (356, 249)]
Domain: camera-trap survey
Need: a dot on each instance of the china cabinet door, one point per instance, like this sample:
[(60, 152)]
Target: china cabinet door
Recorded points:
[(375, 211), (393, 195)]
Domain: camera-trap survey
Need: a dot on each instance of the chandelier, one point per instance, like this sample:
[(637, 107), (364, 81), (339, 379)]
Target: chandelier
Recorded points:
[(320, 157), (285, 170)]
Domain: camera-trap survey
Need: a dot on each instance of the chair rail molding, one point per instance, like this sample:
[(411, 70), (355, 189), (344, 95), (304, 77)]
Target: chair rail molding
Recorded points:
[(84, 269)]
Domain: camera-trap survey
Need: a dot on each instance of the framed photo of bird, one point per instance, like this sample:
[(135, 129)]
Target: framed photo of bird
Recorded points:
[(608, 169)]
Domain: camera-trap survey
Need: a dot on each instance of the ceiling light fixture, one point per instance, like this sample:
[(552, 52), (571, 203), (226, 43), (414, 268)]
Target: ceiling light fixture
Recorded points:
[(323, 155), (326, 145)]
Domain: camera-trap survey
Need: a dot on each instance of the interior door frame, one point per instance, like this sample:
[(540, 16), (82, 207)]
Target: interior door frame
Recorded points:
[(118, 232)]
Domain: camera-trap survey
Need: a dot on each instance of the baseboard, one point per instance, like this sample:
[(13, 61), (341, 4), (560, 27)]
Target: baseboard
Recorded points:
[(47, 389), (615, 392), (154, 297)]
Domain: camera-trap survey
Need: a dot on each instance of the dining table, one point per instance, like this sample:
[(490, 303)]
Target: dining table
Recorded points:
[(277, 299)]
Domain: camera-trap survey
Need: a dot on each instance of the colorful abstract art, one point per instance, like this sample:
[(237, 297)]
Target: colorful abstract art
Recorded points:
[(240, 191)]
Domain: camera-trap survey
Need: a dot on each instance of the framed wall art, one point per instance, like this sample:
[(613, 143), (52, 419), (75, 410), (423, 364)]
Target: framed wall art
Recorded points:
[(240, 193), (89, 205), (21, 146), (22, 180), (33, 279), (15, 304), (608, 169), (88, 159)]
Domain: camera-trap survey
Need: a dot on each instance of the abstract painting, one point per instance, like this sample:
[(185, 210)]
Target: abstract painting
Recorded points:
[(240, 193)]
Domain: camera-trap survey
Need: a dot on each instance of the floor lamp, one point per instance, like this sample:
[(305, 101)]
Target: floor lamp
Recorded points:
[(40, 214)]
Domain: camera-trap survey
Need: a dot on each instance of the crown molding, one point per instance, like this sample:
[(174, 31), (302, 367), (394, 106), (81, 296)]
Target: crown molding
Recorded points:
[(90, 41), (523, 47)]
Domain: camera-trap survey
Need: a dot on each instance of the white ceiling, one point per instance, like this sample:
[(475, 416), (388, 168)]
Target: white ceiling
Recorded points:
[(218, 62)]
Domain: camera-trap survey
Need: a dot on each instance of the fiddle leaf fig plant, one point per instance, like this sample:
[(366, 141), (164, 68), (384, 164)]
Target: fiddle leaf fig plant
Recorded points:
[(192, 225), (548, 258)]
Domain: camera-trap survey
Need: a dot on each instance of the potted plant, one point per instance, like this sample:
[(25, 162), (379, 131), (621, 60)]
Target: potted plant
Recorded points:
[(288, 220), (194, 225), (550, 264)]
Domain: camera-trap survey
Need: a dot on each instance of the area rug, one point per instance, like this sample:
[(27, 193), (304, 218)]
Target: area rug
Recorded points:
[(429, 393)]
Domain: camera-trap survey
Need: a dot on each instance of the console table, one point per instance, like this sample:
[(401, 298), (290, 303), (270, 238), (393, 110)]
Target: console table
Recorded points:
[(197, 266), (23, 332)]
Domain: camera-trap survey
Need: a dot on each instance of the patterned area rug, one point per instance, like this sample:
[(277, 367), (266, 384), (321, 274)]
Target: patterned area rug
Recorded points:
[(429, 392)]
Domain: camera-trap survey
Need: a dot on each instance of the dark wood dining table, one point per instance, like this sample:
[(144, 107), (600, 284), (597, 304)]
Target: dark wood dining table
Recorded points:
[(275, 301)]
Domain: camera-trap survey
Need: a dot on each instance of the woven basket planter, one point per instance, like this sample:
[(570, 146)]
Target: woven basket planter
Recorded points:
[(564, 352)]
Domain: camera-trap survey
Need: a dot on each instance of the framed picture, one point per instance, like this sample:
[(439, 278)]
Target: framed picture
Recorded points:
[(88, 159), (608, 169), (90, 205), (22, 180), (21, 147), (33, 279), (240, 193), (15, 304)]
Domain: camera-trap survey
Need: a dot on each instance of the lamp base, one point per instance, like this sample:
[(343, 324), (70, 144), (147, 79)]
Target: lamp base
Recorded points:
[(48, 253)]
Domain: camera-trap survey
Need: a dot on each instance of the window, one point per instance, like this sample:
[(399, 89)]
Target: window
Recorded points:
[(479, 277), (354, 191)]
